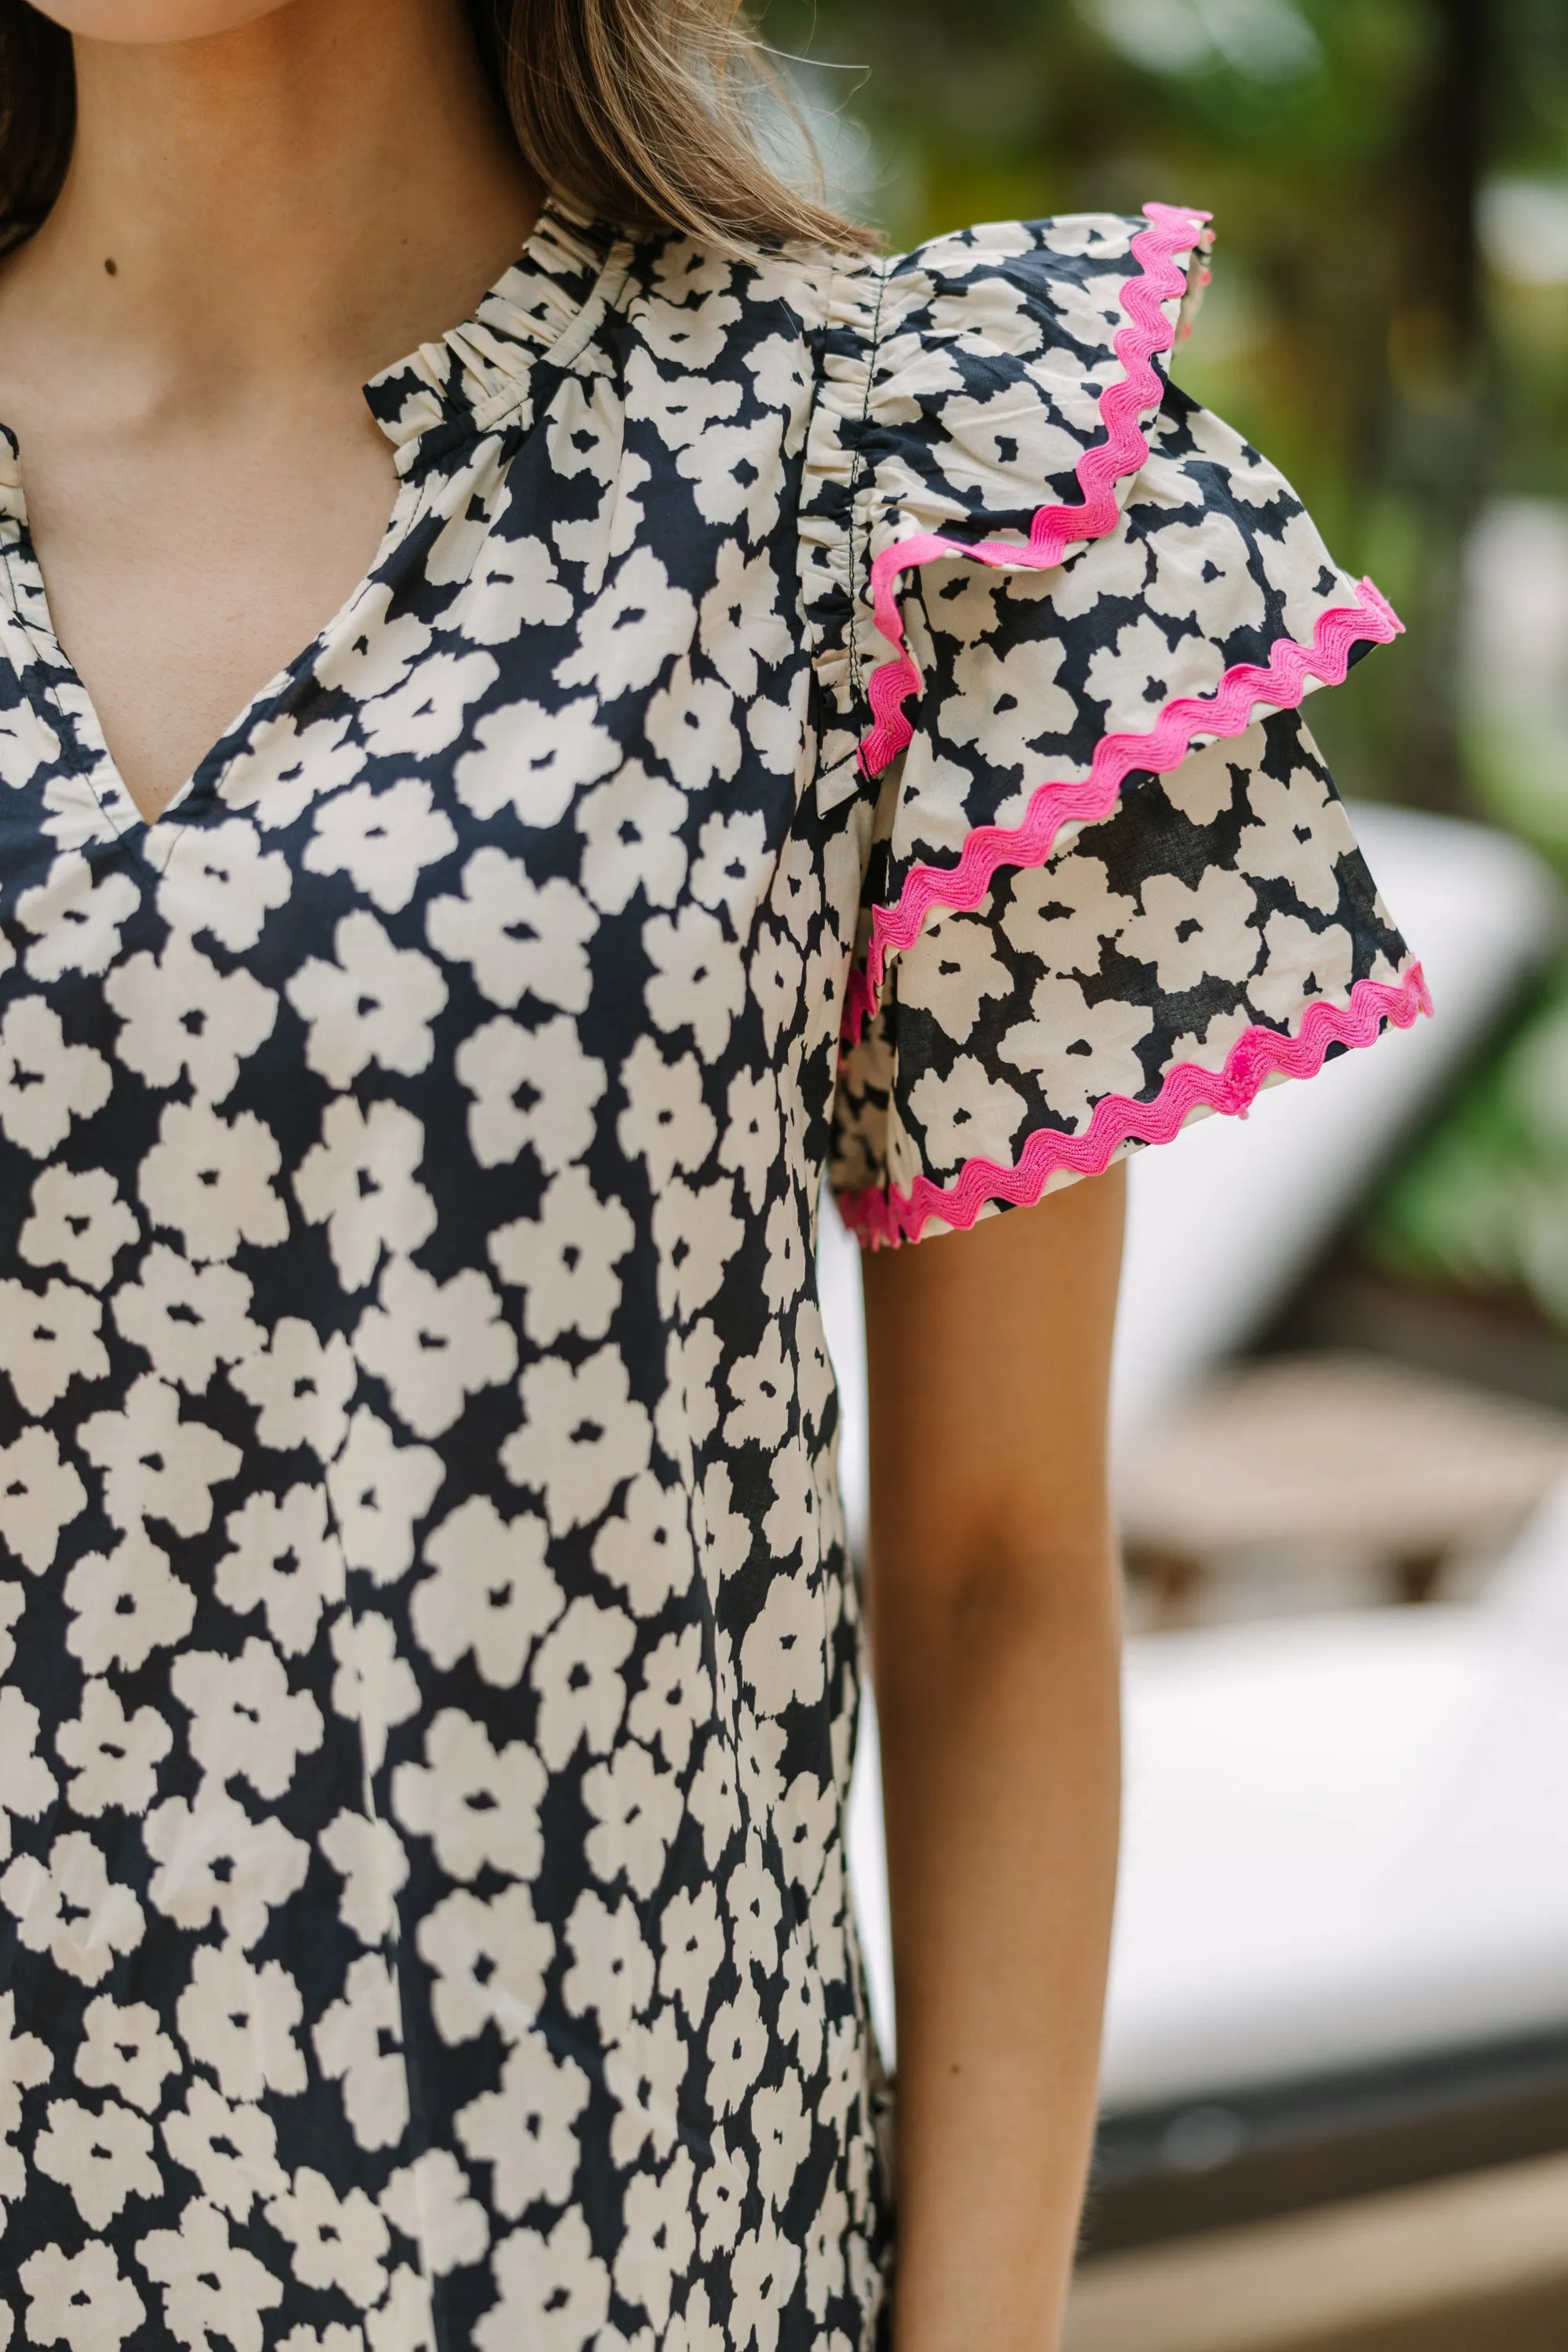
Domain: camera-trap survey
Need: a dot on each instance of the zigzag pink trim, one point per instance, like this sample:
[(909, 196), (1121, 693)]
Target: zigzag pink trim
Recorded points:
[(1054, 528), (883, 1220), (1227, 711)]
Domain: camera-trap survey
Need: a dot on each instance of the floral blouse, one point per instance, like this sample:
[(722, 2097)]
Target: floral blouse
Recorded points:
[(806, 715)]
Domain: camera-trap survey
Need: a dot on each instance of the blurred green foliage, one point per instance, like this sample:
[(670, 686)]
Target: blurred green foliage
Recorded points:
[(1483, 1206)]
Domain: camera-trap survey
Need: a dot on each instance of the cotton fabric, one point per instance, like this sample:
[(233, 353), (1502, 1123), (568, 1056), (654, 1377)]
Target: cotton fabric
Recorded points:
[(428, 1657)]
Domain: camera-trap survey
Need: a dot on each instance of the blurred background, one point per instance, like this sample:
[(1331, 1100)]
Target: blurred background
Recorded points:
[(1336, 2094)]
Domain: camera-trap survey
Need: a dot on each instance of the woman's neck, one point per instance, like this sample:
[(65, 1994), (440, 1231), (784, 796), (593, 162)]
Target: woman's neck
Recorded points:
[(296, 197)]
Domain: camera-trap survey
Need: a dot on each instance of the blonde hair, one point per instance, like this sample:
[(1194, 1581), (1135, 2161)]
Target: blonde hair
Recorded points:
[(645, 113)]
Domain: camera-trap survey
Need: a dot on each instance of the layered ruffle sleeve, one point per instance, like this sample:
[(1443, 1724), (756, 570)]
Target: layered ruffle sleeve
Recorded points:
[(1064, 622)]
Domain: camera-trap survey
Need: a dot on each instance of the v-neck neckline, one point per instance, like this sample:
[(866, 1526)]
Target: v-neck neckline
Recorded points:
[(469, 379)]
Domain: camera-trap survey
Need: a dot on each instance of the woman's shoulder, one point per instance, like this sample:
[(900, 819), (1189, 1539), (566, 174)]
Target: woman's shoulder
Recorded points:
[(1070, 280)]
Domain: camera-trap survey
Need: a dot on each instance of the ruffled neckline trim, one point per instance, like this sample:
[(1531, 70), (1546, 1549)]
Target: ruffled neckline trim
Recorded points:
[(545, 305)]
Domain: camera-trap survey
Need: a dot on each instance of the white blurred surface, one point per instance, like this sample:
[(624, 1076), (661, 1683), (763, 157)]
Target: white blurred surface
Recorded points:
[(1345, 1842)]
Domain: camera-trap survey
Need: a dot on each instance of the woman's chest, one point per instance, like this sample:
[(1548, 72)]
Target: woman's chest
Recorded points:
[(521, 861)]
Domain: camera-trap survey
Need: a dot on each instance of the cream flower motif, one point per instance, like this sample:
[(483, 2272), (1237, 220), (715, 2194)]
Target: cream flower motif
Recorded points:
[(576, 1672), (637, 1812), (1190, 934), (726, 870), (245, 1722), (179, 1016), (692, 1950), (583, 1435), (215, 1863), (48, 1341), (1203, 572), (212, 2290), (27, 1783), (644, 2069), (434, 1344), (762, 1386), (752, 1137), (529, 1085), (564, 1260), (242, 2022), (1065, 914), (80, 2300), (629, 632), (515, 587), (1080, 1052), (690, 725), (374, 1686), (359, 2044), (218, 878), (612, 1971), (534, 760), (359, 1182), (631, 837), (382, 840), (518, 936), (1009, 703), (666, 1122), (189, 1319), (676, 1695), (1297, 833), (378, 1489), (553, 2290), (782, 1650), (376, 1003), (1300, 963), (492, 1594), (488, 1961), (79, 1222), (45, 1083), (523, 2129), (211, 1180), (477, 1804), (697, 980), (424, 715), (230, 2146), (696, 1233), (76, 917), (112, 1758), (429, 2200), (776, 976), (300, 1386), (658, 2238), (155, 1466), (740, 626), (282, 1559), (71, 1908), (646, 1547), (124, 2049), (124, 1605), (368, 1856), (103, 2158)]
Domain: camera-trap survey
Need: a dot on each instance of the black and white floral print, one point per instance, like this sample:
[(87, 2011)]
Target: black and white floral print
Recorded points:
[(427, 1655)]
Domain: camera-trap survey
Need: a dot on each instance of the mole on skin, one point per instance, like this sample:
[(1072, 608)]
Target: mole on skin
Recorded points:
[(112, 267)]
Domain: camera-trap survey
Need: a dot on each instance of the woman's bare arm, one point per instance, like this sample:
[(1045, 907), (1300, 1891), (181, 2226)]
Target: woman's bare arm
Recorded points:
[(994, 1636)]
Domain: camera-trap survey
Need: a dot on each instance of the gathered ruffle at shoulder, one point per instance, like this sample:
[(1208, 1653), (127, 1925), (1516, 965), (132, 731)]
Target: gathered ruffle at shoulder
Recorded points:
[(1039, 578)]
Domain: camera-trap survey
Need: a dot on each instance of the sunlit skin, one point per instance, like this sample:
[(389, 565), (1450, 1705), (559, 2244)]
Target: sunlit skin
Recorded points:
[(268, 205)]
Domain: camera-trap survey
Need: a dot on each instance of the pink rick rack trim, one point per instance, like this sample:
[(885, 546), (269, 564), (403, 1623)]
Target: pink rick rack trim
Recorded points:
[(883, 1220), (1173, 231), (1227, 711)]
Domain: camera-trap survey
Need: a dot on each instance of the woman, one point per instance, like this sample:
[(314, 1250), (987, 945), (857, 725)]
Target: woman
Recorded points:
[(431, 1662)]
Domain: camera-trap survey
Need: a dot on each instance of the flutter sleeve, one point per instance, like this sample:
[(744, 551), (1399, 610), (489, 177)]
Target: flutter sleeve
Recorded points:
[(1065, 621)]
